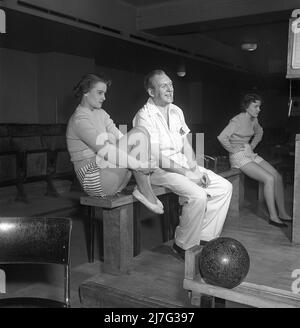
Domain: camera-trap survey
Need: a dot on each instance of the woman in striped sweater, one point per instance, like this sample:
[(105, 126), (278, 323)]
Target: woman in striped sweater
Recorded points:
[(239, 138), (103, 157)]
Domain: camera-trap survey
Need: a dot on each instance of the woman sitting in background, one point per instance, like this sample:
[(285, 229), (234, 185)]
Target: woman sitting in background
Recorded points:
[(236, 139), (102, 156)]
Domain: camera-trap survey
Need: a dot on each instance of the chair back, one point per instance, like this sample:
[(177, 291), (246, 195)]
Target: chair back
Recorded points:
[(35, 240)]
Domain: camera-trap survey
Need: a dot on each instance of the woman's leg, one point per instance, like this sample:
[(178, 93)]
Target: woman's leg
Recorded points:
[(256, 172), (137, 143), (279, 190), (113, 180)]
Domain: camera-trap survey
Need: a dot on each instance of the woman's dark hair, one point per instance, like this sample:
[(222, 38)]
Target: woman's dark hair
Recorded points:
[(148, 79), (87, 82), (248, 99)]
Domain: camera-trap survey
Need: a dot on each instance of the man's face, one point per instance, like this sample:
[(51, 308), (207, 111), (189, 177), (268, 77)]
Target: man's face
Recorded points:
[(162, 91)]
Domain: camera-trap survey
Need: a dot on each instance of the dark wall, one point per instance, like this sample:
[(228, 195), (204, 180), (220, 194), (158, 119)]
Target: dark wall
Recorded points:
[(37, 77)]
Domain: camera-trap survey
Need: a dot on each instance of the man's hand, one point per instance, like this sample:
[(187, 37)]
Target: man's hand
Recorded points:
[(201, 178), (204, 182)]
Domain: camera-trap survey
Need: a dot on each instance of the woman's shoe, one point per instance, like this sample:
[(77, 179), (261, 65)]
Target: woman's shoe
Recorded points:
[(277, 224), (160, 203), (154, 208)]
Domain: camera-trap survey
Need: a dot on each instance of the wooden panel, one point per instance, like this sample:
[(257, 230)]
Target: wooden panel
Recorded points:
[(36, 164), (8, 168), (296, 210), (54, 142), (26, 143), (63, 164)]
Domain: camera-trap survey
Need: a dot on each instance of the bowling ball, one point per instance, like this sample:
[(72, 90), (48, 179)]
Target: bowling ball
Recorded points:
[(224, 262)]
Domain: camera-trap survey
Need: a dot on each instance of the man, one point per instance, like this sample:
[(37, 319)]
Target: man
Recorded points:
[(205, 196)]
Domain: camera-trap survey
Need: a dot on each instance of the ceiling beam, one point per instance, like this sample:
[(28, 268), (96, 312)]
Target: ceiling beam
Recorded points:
[(195, 11)]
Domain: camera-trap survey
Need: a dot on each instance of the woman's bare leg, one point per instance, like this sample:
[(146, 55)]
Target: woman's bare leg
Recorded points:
[(256, 172), (127, 143), (279, 190)]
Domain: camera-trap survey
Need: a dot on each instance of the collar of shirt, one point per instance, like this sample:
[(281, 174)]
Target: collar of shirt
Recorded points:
[(171, 141), (172, 110)]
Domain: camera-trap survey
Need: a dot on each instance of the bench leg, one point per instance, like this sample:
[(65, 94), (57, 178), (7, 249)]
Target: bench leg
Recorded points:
[(91, 233), (118, 239), (165, 218), (241, 190), (201, 300)]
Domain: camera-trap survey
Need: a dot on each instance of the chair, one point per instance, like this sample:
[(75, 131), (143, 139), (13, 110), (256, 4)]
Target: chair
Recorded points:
[(36, 241)]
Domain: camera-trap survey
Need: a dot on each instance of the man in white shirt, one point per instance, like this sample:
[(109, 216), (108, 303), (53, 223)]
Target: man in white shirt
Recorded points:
[(205, 196)]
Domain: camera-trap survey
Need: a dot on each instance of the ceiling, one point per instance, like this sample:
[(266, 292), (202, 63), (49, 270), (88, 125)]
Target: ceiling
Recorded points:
[(38, 35), (268, 29), (206, 37), (145, 3)]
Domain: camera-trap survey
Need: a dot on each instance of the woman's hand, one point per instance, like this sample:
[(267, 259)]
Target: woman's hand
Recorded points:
[(248, 151), (147, 167)]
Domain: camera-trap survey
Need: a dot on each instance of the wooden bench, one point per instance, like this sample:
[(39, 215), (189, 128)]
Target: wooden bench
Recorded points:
[(121, 222), (249, 294)]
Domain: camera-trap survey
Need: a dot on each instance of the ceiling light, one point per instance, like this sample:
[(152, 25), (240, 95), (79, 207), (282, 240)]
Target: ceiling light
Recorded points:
[(181, 71), (249, 46)]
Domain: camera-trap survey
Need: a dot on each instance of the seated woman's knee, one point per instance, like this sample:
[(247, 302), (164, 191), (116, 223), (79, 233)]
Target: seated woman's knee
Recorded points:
[(269, 178)]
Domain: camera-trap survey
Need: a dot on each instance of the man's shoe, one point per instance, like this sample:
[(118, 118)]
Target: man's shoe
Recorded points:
[(278, 224), (158, 209), (180, 252)]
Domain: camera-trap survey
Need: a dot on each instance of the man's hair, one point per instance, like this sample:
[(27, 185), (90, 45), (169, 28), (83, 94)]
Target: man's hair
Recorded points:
[(148, 79), (87, 82), (248, 99)]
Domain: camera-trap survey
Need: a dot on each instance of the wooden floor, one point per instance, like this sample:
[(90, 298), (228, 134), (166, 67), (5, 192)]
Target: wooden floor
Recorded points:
[(272, 255), (157, 276)]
